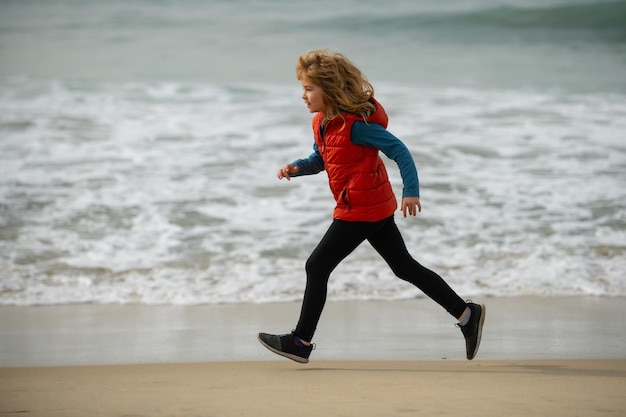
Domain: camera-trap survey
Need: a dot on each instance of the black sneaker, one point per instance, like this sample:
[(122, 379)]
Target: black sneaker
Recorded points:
[(473, 330), (286, 345)]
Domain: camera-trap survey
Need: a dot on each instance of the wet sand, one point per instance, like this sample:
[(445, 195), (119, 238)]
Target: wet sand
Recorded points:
[(539, 356)]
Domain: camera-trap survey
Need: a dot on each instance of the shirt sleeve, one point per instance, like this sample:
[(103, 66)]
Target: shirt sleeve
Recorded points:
[(374, 135), (313, 164)]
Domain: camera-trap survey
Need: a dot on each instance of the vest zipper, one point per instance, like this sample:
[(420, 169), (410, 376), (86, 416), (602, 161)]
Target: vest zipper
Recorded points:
[(323, 139)]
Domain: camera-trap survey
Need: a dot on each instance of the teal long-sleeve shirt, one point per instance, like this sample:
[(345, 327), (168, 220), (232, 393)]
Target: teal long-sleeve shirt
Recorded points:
[(376, 136)]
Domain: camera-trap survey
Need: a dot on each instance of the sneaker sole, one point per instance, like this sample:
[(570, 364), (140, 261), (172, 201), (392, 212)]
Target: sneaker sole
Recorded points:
[(284, 354), (483, 313)]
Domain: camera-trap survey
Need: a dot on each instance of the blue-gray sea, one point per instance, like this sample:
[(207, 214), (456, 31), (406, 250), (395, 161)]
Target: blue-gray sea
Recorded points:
[(139, 144)]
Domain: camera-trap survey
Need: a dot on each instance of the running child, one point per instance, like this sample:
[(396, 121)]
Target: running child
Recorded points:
[(349, 128)]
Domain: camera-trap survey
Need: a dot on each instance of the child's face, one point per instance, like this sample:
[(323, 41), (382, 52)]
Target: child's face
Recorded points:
[(312, 96)]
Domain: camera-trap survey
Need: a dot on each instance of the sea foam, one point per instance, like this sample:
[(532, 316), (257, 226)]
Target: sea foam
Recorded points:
[(167, 193)]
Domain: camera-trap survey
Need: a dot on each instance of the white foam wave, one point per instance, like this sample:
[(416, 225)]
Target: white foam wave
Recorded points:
[(166, 193)]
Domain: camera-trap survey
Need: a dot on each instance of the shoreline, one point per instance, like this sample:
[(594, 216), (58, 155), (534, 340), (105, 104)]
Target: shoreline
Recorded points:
[(517, 328), (557, 357)]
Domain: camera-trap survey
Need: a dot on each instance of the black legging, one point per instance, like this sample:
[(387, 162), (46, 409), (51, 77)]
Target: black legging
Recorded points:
[(339, 241)]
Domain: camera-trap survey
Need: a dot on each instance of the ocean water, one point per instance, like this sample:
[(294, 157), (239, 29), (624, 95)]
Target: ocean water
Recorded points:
[(139, 144)]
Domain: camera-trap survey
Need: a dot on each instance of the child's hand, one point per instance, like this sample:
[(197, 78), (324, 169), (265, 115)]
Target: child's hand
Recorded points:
[(287, 171), (412, 204)]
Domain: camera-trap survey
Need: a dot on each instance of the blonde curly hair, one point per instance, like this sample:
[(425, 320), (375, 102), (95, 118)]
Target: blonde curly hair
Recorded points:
[(344, 87)]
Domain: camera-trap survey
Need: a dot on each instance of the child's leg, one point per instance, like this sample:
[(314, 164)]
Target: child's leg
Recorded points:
[(339, 241), (389, 243)]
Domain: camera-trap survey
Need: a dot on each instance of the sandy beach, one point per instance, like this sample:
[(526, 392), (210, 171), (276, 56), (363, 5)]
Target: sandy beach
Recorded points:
[(539, 356), (326, 388)]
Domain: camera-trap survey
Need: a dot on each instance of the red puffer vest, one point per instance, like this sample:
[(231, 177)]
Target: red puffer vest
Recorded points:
[(356, 174)]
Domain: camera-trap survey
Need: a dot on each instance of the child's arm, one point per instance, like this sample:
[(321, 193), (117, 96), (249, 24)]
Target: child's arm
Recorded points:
[(374, 135), (306, 166)]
